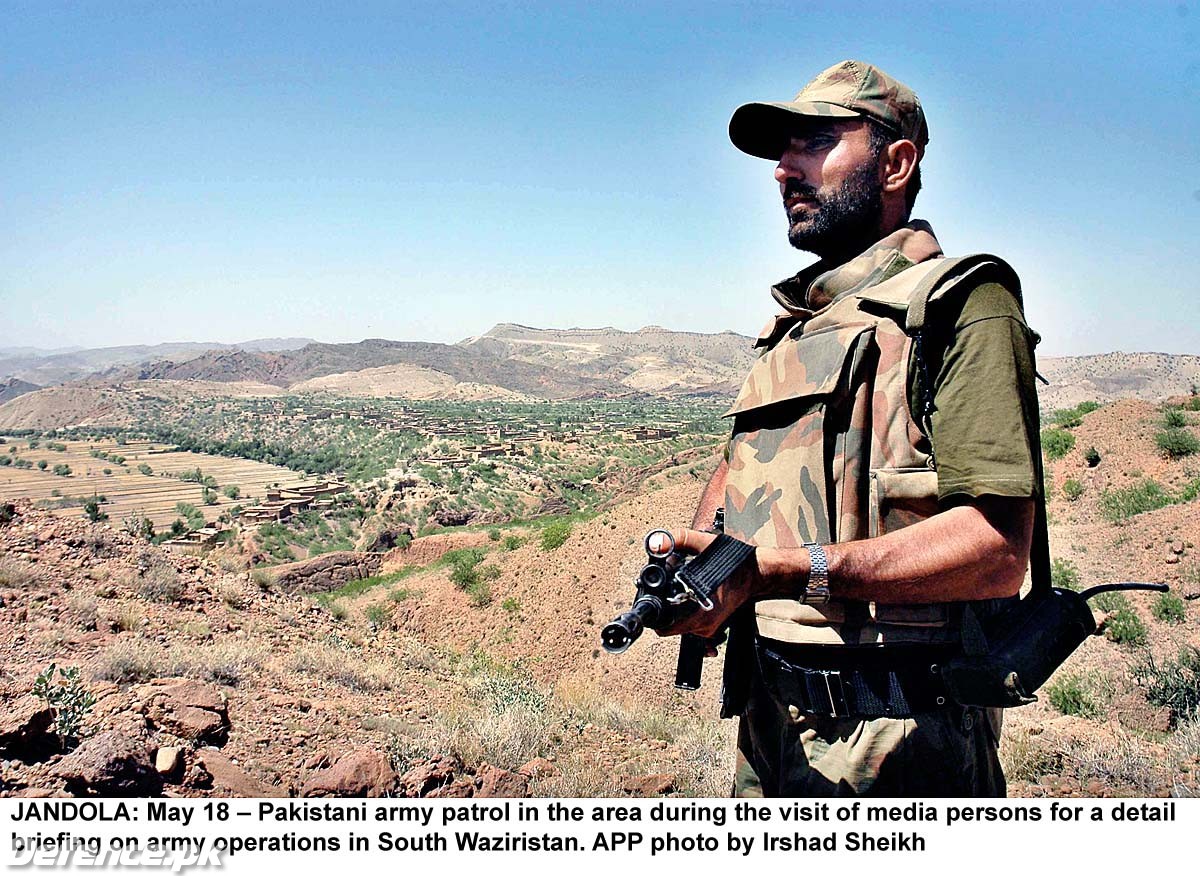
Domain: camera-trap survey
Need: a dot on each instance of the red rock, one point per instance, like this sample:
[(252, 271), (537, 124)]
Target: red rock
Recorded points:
[(649, 786), (361, 773), (228, 777), (423, 779), (25, 728), (491, 781), (538, 768), (189, 709), (110, 764), (458, 789)]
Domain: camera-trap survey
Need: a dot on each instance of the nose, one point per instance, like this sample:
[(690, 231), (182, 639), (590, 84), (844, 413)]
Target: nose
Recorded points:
[(788, 167)]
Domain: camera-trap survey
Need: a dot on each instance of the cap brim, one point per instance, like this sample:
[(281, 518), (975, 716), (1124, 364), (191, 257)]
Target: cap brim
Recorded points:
[(764, 129)]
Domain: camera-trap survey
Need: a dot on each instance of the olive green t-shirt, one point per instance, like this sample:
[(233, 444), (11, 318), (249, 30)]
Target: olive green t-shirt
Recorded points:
[(985, 420)]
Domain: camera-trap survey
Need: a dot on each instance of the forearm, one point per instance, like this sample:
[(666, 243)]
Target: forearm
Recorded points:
[(972, 551), (711, 498)]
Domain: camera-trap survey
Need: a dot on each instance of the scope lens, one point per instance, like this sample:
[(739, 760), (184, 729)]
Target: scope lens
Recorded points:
[(652, 577)]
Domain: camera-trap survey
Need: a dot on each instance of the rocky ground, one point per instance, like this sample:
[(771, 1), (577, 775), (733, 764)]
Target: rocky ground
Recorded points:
[(208, 678)]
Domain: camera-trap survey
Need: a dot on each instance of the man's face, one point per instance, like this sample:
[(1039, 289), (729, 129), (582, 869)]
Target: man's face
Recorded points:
[(830, 182)]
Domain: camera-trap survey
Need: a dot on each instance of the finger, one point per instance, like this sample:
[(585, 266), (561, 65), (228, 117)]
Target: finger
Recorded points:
[(658, 542), (691, 540)]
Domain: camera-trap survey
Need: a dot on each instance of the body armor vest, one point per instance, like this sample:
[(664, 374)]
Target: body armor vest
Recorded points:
[(825, 448)]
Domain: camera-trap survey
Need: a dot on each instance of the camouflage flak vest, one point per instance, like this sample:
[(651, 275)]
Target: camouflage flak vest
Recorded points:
[(825, 449)]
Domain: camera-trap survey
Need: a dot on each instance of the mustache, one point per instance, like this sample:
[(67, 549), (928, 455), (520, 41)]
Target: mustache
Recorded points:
[(794, 188)]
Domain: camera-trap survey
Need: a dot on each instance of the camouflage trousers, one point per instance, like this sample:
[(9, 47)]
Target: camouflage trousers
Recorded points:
[(950, 752)]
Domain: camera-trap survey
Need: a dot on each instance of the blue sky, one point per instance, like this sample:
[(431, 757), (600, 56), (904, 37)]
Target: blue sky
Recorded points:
[(219, 172)]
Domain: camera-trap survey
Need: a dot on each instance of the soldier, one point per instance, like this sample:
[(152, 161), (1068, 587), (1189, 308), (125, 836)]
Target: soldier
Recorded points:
[(884, 460)]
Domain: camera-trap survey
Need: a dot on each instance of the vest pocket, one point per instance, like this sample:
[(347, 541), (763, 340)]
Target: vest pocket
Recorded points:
[(900, 497)]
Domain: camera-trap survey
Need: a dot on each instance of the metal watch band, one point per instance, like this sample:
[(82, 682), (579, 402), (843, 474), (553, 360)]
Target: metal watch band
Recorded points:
[(816, 592)]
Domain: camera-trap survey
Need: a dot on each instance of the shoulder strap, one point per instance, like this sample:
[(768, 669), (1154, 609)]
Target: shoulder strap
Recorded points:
[(950, 273), (938, 282)]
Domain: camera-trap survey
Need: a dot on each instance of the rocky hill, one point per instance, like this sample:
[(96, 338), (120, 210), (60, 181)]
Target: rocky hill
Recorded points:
[(652, 359), (1109, 376), (47, 368), (13, 387), (320, 360)]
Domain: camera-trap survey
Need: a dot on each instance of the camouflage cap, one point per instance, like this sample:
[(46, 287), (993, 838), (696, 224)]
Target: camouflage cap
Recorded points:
[(847, 90)]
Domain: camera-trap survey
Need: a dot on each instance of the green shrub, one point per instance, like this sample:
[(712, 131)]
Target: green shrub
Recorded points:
[(480, 593), (555, 535), (139, 526), (1126, 628), (493, 534), (1084, 694), (1064, 575), (489, 572), (1169, 609), (210, 496), (378, 614), (1113, 600), (1173, 683), (1072, 489), (512, 542), (145, 469), (41, 464), (1121, 504), (1174, 419), (92, 509), (1092, 457), (62, 470), (464, 572), (232, 491), (1177, 443), (1057, 443), (511, 605), (70, 701)]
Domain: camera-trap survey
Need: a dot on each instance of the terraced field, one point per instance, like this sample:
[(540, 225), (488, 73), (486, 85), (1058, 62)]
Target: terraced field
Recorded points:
[(125, 485)]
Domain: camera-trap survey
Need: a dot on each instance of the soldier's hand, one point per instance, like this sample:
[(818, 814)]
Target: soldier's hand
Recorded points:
[(726, 600)]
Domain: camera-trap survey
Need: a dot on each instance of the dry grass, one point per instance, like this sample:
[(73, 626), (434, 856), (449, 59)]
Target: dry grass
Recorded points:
[(129, 660), (127, 616), (83, 611), (159, 582), (225, 662), (232, 592), (16, 573), (342, 666)]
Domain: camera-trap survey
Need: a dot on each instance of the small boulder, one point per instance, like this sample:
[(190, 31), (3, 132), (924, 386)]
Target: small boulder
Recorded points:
[(226, 776), (649, 786), (361, 773), (188, 709), (169, 761), (110, 764), (25, 729), (492, 781), (538, 768), (427, 777)]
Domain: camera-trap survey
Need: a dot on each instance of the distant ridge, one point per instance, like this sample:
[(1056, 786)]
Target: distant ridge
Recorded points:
[(47, 368)]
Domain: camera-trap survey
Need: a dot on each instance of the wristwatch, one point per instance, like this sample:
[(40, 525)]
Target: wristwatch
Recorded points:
[(816, 591)]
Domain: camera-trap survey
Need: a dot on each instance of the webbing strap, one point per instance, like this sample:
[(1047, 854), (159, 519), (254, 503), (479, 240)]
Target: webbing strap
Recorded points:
[(714, 565)]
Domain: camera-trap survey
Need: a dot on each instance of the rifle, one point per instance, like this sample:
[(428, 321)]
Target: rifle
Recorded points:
[(672, 584)]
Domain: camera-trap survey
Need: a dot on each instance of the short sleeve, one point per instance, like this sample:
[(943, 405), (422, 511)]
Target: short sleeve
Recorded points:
[(985, 420)]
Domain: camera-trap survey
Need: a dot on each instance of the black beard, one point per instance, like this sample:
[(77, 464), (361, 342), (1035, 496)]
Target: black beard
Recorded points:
[(843, 222)]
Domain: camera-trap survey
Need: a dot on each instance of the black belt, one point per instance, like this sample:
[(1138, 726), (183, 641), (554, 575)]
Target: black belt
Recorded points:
[(887, 682)]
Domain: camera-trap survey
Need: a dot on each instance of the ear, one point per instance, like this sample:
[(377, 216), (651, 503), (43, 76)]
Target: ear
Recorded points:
[(899, 164)]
